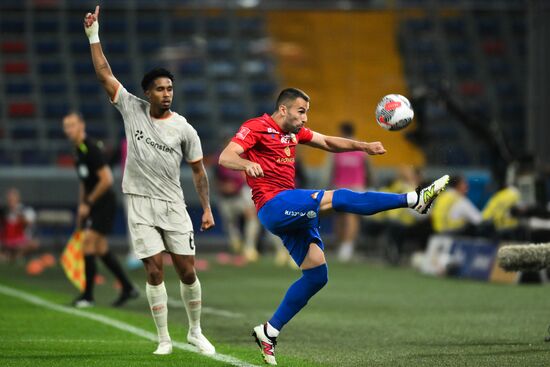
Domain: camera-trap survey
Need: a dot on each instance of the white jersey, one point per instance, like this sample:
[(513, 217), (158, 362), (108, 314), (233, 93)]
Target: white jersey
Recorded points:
[(155, 149)]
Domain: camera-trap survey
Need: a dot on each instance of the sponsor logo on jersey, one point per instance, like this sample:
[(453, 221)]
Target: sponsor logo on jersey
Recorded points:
[(271, 130), (243, 132), (139, 136), (285, 160), (292, 213), (285, 139)]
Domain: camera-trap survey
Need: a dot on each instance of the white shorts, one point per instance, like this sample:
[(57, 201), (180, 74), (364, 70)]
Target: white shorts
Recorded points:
[(157, 225)]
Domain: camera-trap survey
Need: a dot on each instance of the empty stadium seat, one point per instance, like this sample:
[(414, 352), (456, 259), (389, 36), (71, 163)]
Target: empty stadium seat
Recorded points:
[(12, 26), (229, 89), (24, 87), (260, 89), (47, 47), (84, 68), (92, 110), (217, 26), (196, 111), (192, 68), (56, 109), (50, 67), (115, 47), (17, 67), (194, 89), (183, 26), (454, 26), (87, 88), (43, 26), (13, 47), (24, 132), (21, 109), (233, 111), (221, 47), (49, 88)]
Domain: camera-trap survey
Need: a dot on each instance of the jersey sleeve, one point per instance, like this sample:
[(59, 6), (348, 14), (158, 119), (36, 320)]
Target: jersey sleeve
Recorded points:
[(191, 146), (96, 159), (247, 136), (304, 135), (124, 101)]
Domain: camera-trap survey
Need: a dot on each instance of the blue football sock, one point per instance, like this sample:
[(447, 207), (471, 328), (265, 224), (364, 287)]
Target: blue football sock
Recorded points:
[(366, 203), (298, 294)]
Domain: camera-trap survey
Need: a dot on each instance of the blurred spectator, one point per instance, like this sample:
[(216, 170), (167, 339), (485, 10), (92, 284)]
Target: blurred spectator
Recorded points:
[(348, 170), (498, 212), (235, 203), (453, 212), (16, 227), (404, 224)]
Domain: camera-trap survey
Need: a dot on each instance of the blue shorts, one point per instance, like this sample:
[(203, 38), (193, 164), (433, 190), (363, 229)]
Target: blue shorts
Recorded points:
[(293, 215)]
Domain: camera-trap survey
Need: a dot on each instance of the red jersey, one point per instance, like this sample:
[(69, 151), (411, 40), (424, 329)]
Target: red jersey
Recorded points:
[(274, 150)]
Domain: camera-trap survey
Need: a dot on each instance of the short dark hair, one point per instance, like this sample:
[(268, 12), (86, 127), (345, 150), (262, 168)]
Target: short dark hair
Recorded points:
[(150, 77), (347, 128), (455, 180), (290, 95)]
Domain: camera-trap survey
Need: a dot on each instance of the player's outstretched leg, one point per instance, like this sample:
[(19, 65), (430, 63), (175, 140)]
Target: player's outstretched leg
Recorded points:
[(267, 344), (158, 301), (192, 299), (295, 299), (368, 203)]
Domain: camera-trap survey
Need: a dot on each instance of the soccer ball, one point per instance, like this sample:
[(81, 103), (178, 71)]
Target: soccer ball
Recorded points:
[(394, 112)]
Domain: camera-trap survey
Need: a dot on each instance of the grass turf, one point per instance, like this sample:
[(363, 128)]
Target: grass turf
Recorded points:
[(368, 315)]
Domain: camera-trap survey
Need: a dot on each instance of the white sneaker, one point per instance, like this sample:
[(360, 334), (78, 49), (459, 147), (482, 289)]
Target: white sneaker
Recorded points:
[(345, 253), (427, 195), (83, 303), (266, 344), (164, 348), (200, 341)]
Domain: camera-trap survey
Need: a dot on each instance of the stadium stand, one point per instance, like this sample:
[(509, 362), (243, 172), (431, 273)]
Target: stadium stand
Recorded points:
[(47, 70)]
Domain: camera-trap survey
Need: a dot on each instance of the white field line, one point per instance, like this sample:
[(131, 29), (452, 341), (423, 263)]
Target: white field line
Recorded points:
[(115, 324)]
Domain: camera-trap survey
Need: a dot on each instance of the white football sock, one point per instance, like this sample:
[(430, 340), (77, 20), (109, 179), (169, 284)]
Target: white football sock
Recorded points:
[(412, 198), (191, 296), (158, 299), (271, 331)]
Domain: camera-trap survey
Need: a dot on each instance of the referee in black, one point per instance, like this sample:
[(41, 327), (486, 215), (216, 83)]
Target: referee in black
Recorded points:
[(96, 210)]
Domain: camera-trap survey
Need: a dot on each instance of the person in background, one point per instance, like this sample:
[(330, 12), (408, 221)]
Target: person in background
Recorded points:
[(16, 227), (348, 170), (96, 210), (453, 212), (235, 203)]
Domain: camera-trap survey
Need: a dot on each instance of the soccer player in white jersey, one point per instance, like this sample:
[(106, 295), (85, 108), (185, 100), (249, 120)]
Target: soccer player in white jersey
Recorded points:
[(158, 140)]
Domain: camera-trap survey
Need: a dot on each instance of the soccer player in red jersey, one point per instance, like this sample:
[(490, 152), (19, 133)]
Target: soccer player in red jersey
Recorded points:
[(265, 148)]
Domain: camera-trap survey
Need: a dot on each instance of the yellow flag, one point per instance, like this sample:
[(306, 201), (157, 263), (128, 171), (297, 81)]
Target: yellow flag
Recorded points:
[(72, 260)]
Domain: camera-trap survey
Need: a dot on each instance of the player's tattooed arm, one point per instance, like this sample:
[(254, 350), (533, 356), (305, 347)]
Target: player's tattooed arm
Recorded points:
[(200, 180), (101, 65)]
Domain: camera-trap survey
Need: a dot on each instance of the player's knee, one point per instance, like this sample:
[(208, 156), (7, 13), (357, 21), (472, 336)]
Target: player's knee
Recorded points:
[(155, 275), (189, 276), (318, 276)]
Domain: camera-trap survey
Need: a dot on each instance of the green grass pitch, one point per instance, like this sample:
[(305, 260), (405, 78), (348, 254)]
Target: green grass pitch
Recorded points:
[(368, 315)]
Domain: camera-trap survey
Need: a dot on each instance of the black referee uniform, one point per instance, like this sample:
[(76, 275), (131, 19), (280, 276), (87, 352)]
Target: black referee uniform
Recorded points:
[(90, 159)]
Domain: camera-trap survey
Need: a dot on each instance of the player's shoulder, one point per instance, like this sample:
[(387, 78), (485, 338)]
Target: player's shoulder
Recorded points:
[(259, 123), (182, 123)]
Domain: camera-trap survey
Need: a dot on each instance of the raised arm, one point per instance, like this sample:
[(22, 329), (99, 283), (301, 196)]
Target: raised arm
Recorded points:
[(336, 144), (230, 158), (101, 66), (200, 180)]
